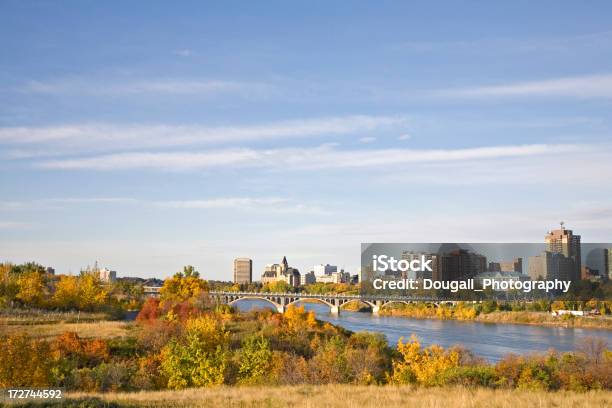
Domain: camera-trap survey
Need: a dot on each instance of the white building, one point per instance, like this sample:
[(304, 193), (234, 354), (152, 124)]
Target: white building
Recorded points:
[(106, 275), (334, 277), (322, 270)]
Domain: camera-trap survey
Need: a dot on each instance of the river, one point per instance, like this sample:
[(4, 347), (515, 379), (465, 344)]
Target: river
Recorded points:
[(488, 340)]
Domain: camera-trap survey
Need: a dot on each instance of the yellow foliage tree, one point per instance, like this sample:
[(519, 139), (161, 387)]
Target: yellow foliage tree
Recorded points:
[(66, 294), (32, 288), (183, 286), (91, 292), (422, 366)]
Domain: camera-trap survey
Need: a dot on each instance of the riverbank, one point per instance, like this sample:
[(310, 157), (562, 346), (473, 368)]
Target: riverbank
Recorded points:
[(342, 396), (503, 317)]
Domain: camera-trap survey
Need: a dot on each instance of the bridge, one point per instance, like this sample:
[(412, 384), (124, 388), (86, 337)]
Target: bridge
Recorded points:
[(283, 300)]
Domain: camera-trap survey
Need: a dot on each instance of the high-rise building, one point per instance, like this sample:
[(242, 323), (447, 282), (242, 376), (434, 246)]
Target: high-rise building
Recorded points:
[(607, 264), (459, 265), (243, 270), (564, 242), (550, 265), (416, 255)]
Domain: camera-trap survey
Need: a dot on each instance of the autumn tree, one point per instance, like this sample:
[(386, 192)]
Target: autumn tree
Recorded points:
[(183, 286), (25, 362), (66, 294), (8, 284), (32, 288), (92, 294), (423, 366), (200, 357)]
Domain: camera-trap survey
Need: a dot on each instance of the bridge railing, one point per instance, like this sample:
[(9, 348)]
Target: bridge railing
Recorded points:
[(332, 295)]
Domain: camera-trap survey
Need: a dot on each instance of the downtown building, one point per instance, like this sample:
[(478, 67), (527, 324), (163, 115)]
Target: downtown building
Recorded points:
[(243, 270), (561, 259), (563, 241), (281, 272), (418, 255), (459, 265), (549, 266)]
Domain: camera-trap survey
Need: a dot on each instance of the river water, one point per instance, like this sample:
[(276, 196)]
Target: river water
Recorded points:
[(489, 340)]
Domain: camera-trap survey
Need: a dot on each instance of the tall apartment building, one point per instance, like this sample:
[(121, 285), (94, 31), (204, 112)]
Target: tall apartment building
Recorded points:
[(607, 263), (564, 242), (243, 270)]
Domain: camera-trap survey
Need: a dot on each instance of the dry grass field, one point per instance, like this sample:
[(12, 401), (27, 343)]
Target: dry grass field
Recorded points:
[(352, 396), (100, 329)]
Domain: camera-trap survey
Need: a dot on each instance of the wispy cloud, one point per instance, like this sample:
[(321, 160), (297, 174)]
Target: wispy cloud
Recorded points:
[(367, 139), (33, 141), (589, 86), (510, 45), (324, 157), (265, 204), (110, 87)]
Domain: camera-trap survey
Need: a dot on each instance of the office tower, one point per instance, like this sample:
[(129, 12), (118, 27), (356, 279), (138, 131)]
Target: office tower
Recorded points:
[(417, 255), (550, 265), (459, 265), (243, 270), (564, 242), (608, 263)]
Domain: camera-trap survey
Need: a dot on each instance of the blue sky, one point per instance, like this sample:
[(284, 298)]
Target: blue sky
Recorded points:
[(149, 136)]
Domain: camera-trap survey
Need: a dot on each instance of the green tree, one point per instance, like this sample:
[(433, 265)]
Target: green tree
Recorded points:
[(255, 361)]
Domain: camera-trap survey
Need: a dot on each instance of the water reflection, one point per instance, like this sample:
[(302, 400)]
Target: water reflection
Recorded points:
[(488, 340)]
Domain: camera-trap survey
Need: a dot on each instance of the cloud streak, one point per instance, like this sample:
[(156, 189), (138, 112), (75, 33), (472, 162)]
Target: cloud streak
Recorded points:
[(589, 86), (324, 157), (101, 87), (265, 204), (33, 141)]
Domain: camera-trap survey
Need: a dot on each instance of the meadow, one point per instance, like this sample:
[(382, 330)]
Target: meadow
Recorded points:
[(333, 396)]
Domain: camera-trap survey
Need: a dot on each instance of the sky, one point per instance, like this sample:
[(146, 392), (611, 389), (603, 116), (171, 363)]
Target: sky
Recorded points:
[(151, 135)]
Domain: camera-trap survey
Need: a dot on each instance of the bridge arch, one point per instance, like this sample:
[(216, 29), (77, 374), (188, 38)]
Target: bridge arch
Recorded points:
[(317, 299), (362, 301), (277, 306), (395, 301)]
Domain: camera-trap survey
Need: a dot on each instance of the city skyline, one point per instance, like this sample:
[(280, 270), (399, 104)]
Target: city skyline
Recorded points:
[(150, 139)]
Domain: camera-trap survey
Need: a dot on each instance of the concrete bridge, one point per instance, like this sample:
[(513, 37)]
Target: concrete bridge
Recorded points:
[(283, 300)]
